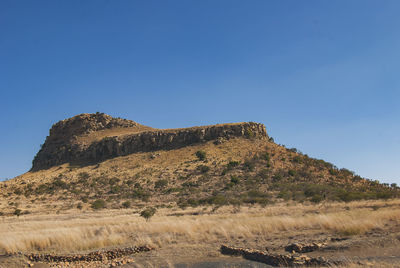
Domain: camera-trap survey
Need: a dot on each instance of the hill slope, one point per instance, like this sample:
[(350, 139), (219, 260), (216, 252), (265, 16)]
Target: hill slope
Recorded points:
[(215, 165)]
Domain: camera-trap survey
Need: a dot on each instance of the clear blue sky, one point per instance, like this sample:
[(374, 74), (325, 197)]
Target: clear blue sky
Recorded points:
[(323, 76)]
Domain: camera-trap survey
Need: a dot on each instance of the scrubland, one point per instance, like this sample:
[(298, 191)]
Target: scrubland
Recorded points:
[(245, 192), (201, 227)]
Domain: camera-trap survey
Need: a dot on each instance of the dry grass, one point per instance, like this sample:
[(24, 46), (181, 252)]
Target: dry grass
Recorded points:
[(101, 134), (77, 232), (170, 165), (167, 165)]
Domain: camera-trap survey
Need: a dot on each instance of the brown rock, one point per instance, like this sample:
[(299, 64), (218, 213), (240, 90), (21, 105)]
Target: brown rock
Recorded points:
[(61, 145)]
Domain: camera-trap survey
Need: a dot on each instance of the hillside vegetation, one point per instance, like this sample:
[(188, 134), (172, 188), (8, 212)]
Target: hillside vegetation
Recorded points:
[(103, 186), (234, 171)]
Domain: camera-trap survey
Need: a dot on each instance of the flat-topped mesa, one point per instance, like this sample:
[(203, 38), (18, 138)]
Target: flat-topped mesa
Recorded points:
[(91, 138)]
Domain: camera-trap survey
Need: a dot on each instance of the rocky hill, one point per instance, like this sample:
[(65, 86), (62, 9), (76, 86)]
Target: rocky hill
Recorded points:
[(93, 160)]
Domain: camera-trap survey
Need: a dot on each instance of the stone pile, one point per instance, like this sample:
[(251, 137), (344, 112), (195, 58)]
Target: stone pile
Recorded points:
[(113, 257), (276, 259), (304, 248)]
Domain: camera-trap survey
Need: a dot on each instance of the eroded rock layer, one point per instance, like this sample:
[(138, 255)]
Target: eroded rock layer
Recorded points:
[(64, 143)]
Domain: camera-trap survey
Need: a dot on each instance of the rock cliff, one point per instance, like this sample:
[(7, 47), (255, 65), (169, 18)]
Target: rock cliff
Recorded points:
[(71, 140)]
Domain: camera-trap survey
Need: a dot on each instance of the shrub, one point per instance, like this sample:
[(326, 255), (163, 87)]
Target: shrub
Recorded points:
[(182, 203), (113, 181), (296, 159), (161, 183), (190, 184), (79, 206), (383, 195), (148, 213), (217, 199), (42, 188), (99, 204), (285, 195), (277, 177), (265, 156), (255, 196), (201, 155), (351, 196), (203, 168), (256, 193), (17, 212), (115, 189), (232, 164), (248, 165), (263, 174), (333, 171), (17, 191), (249, 133), (83, 175), (58, 183), (141, 194), (126, 204), (347, 172), (193, 202), (235, 180), (317, 198), (171, 190)]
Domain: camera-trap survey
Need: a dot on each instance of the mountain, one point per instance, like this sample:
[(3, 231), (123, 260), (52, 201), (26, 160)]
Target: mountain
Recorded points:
[(95, 161)]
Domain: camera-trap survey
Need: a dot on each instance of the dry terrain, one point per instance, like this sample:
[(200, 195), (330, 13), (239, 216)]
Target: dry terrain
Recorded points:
[(218, 185), (236, 172), (360, 232)]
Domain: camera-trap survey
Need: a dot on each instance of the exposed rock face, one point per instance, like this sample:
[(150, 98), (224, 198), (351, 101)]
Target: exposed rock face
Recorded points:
[(84, 124), (61, 146)]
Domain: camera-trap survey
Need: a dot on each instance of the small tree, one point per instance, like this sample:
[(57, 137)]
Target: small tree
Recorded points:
[(148, 213), (201, 155), (235, 180), (161, 183), (126, 204), (99, 204), (203, 168), (17, 212)]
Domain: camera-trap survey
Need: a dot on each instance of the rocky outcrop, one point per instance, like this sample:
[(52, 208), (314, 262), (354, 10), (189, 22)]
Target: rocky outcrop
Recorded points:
[(277, 260), (86, 123), (61, 146), (304, 247)]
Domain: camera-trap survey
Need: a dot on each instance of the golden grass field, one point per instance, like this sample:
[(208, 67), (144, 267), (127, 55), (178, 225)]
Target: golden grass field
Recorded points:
[(252, 227)]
